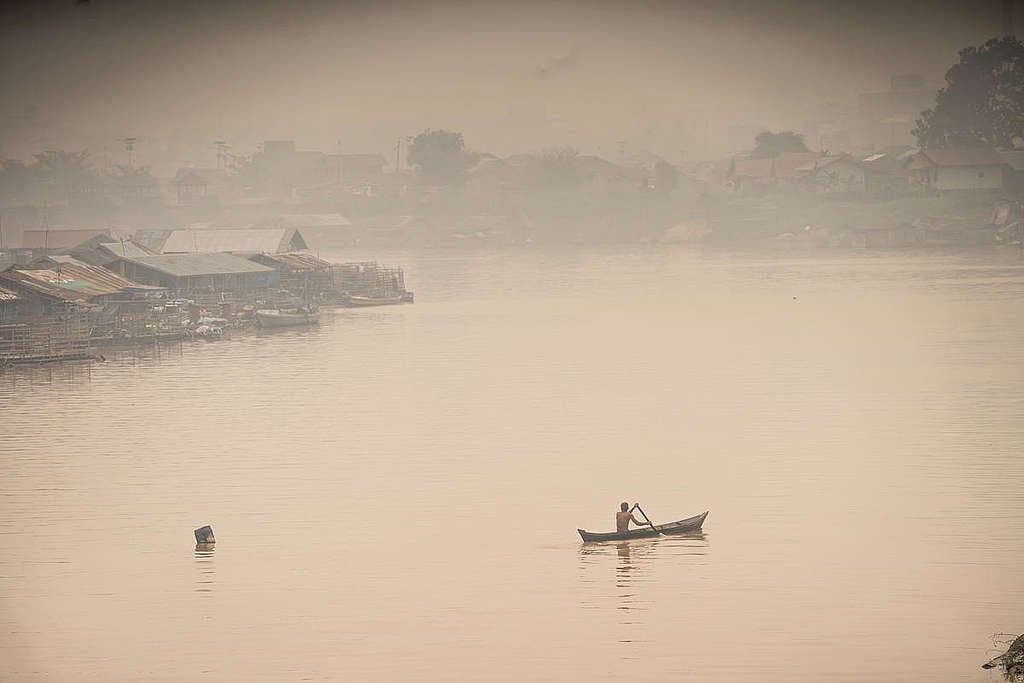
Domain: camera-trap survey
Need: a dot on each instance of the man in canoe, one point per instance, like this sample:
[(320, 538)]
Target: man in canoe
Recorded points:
[(624, 517)]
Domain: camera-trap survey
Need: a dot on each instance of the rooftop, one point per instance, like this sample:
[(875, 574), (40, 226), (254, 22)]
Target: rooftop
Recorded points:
[(71, 280), (268, 241), (297, 261), (963, 156), (183, 265)]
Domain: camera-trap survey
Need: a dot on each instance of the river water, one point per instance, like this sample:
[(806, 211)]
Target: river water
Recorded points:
[(396, 493)]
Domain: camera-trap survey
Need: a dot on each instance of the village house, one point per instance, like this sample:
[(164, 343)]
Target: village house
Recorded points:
[(957, 168), (107, 252), (184, 273), (835, 176), (884, 174), (8, 306), (300, 273), (48, 286), (1013, 171), (361, 170), (280, 169), (193, 186), (748, 174)]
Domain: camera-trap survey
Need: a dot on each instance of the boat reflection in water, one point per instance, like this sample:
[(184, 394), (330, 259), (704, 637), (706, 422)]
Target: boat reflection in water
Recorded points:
[(636, 564), (204, 563)]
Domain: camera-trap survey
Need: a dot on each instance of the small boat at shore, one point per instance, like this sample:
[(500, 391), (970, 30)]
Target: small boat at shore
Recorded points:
[(275, 317), (681, 526), (356, 301)]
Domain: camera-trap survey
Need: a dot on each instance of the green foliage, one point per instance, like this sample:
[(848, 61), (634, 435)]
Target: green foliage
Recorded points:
[(983, 101), (66, 176), (440, 156), (770, 145)]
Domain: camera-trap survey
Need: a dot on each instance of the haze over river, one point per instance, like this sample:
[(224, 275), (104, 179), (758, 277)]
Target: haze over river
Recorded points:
[(396, 493)]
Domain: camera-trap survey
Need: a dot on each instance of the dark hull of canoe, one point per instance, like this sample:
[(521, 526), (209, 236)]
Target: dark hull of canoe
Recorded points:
[(681, 527)]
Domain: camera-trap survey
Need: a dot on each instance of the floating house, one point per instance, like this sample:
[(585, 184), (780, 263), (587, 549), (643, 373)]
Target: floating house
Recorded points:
[(300, 272), (8, 306), (193, 272), (49, 286)]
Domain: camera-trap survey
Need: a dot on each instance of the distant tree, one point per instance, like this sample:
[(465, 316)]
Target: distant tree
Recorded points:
[(983, 101), (67, 176), (134, 181), (769, 144), (18, 184), (558, 169), (440, 156)]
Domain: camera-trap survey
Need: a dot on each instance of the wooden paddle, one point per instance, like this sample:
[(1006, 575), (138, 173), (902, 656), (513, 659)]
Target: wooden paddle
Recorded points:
[(637, 506)]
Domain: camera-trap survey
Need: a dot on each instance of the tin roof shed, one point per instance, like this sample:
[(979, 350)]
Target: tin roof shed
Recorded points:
[(190, 265)]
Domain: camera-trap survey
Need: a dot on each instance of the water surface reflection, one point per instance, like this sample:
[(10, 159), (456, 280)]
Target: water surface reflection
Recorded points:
[(633, 571), (205, 568)]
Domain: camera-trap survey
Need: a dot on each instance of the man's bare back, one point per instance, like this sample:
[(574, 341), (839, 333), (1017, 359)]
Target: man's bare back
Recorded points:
[(624, 517)]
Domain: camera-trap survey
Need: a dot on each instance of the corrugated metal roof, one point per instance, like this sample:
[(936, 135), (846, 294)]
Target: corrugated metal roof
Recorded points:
[(8, 295), (125, 248), (298, 261), (152, 239), (963, 156), (71, 280), (269, 241), (182, 265)]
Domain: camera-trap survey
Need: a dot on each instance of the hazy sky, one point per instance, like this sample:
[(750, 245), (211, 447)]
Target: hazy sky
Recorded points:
[(512, 76)]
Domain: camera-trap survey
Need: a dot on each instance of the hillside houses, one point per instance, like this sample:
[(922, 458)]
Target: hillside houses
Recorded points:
[(957, 168)]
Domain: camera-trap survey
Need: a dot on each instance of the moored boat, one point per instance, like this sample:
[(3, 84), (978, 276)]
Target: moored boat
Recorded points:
[(681, 526), (274, 317), (356, 301)]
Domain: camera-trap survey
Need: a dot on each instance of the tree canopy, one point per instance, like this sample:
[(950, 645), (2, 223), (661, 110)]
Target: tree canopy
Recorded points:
[(440, 156), (983, 101), (558, 170), (68, 176), (769, 144)]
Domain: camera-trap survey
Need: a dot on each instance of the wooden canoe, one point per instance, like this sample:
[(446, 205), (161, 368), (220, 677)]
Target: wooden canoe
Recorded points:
[(354, 301), (680, 527)]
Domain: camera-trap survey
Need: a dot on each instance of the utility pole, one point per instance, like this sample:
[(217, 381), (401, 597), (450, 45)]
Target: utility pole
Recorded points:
[(129, 146), (1008, 18), (222, 153), (398, 149)]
